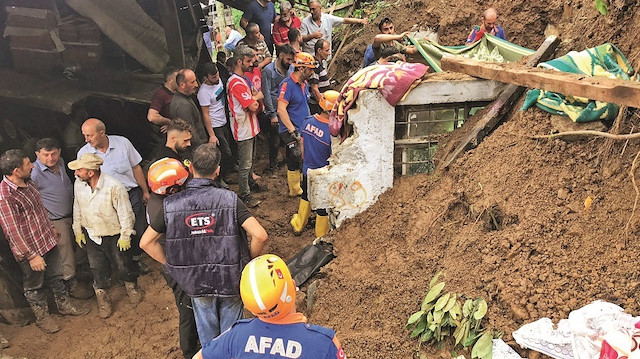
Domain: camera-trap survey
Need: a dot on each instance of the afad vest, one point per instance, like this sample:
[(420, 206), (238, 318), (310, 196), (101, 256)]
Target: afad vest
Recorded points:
[(205, 249)]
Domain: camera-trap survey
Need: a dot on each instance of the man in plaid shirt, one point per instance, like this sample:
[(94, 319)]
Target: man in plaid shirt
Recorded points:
[(32, 239)]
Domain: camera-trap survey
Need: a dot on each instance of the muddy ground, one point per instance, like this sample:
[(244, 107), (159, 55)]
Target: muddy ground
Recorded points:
[(546, 256)]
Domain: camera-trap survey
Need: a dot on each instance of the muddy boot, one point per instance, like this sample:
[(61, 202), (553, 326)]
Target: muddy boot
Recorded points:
[(65, 307), (78, 289), (104, 306), (3, 342), (134, 293), (44, 321)]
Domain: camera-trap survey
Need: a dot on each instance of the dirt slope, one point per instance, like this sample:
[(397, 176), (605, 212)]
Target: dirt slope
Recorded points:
[(549, 255)]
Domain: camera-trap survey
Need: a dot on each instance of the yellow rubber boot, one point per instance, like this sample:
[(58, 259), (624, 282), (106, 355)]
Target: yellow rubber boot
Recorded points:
[(322, 226), (300, 219), (293, 179)]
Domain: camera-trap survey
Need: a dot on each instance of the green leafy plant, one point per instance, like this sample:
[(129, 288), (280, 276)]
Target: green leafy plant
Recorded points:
[(602, 7), (443, 314)]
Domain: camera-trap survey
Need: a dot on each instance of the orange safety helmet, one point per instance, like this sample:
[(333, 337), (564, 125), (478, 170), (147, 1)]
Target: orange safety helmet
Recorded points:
[(267, 289), (165, 173), (305, 59), (328, 99)]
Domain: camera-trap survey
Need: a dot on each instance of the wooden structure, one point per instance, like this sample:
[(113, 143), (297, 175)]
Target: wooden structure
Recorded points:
[(621, 92), (495, 112)]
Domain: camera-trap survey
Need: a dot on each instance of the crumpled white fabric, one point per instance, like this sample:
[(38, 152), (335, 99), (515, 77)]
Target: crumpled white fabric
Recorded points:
[(581, 335)]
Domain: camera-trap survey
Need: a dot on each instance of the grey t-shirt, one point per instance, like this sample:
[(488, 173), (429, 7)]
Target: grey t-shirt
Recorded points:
[(327, 22)]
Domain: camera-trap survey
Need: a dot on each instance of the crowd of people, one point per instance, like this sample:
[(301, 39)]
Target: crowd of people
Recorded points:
[(182, 213)]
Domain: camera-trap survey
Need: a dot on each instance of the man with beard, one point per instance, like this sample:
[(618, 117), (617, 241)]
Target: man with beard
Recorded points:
[(243, 106), (101, 207), (33, 240), (212, 101), (292, 110), (166, 177), (184, 108), (272, 77), (489, 26)]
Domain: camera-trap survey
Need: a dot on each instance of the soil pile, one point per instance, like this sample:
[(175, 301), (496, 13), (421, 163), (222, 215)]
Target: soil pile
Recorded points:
[(508, 220), (578, 22)]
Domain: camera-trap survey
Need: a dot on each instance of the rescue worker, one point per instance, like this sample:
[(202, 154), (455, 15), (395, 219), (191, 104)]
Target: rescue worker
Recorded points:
[(269, 292), (166, 177), (292, 110), (317, 149), (206, 243)]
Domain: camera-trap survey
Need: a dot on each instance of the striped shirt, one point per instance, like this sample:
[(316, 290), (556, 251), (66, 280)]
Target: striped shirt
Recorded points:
[(244, 123), (25, 221), (320, 78)]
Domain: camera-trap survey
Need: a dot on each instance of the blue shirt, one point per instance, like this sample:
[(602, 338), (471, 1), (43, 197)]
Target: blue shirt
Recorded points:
[(271, 80), (119, 160), (317, 143), (296, 95), (253, 338), (56, 189), (263, 16)]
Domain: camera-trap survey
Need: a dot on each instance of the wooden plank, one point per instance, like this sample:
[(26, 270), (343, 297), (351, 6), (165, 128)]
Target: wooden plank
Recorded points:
[(495, 112), (621, 92)]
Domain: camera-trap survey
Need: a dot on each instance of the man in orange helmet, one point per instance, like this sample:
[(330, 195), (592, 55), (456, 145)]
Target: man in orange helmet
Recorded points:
[(269, 292), (316, 141), (292, 110)]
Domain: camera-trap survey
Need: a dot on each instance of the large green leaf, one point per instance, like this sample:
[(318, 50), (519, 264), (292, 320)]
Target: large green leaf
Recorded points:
[(434, 292), (483, 347), (467, 307), (451, 303), (415, 317), (434, 279), (442, 302), (602, 7), (482, 310)]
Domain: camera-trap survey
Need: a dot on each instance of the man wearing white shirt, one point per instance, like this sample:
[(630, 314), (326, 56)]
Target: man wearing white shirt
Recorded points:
[(101, 206), (122, 162), (211, 97), (320, 26)]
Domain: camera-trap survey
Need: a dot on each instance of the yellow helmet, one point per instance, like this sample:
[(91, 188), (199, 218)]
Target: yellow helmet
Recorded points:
[(165, 173), (328, 99), (267, 289), (305, 59)]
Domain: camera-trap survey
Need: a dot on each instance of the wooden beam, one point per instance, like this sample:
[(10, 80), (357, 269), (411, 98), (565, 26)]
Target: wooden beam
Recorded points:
[(479, 126), (621, 92), (173, 32)]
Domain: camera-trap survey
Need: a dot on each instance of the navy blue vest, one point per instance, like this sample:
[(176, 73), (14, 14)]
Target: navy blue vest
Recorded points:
[(206, 250)]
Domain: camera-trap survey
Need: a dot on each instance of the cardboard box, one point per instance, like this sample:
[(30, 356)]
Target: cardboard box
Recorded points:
[(87, 55), (32, 18), (28, 38), (31, 60)]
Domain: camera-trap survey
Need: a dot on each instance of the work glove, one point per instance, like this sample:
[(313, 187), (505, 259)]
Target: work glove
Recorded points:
[(81, 239), (124, 243), (295, 135)]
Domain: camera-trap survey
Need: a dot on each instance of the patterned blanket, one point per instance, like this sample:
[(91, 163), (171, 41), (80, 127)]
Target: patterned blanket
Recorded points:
[(393, 81), (602, 61)]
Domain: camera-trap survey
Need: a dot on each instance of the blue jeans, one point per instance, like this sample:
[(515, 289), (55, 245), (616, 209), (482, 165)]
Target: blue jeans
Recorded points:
[(214, 315)]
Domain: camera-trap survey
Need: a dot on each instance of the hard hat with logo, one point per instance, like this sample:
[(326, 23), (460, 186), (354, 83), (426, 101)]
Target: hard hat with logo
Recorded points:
[(267, 289), (165, 173), (328, 99), (305, 59)]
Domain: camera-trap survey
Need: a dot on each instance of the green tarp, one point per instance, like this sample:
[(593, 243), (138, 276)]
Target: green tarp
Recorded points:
[(489, 48), (601, 61)]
